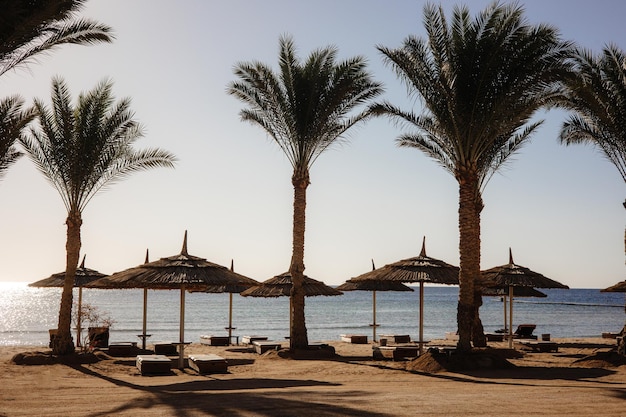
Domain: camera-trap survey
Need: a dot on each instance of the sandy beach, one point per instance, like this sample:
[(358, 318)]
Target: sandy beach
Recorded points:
[(350, 384)]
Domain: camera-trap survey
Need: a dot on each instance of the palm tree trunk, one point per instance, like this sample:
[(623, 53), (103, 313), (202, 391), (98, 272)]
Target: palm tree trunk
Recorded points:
[(469, 263), (478, 333), (297, 333), (63, 343)]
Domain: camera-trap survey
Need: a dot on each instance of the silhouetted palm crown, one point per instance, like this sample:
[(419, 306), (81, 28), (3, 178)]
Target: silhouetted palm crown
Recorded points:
[(481, 81), (597, 94)]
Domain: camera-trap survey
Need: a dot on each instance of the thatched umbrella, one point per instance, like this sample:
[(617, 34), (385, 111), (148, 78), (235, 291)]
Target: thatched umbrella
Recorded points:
[(373, 286), (83, 277), (420, 269), (517, 292), (234, 288), (280, 286), (512, 275), (183, 271)]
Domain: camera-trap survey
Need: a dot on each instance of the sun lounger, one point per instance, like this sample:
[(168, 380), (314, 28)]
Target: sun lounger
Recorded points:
[(354, 338), (98, 337), (153, 364), (396, 338), (396, 353), (208, 364), (164, 348), (247, 340), (262, 346), (494, 337), (123, 349), (525, 331), (215, 340), (541, 346)]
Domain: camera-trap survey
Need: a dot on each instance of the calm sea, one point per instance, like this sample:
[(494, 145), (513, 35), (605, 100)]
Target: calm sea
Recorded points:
[(27, 313)]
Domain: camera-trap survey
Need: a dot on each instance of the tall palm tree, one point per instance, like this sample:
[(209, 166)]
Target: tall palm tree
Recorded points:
[(29, 28), (13, 119), (81, 149), (597, 94), (481, 81), (305, 108)]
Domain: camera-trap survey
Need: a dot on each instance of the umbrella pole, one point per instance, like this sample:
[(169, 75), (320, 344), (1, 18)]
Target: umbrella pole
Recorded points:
[(421, 343), (145, 318), (181, 358), (504, 298), (510, 316), (374, 324), (230, 317), (79, 316)]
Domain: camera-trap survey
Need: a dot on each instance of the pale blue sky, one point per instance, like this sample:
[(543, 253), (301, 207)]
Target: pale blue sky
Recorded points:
[(559, 208)]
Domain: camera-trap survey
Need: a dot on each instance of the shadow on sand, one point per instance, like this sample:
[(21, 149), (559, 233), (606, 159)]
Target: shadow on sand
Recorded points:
[(208, 397)]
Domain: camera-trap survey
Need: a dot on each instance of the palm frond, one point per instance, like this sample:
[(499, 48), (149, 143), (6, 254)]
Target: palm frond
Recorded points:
[(13, 120), (32, 29), (596, 94)]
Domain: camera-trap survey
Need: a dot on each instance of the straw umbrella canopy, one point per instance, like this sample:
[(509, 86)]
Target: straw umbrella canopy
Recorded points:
[(280, 286), (420, 269), (512, 275), (517, 292), (83, 276), (232, 288), (183, 271), (373, 286)]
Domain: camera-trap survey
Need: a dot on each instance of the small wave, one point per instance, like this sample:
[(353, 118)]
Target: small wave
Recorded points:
[(570, 303)]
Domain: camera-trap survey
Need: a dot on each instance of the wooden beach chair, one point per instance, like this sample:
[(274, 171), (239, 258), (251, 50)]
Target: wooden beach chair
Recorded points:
[(248, 340), (396, 338), (525, 331), (262, 346), (123, 349), (208, 364), (153, 364), (540, 346), (215, 340), (354, 338)]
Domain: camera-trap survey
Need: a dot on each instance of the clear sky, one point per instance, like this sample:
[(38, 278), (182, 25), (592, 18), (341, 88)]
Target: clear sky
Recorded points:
[(559, 208)]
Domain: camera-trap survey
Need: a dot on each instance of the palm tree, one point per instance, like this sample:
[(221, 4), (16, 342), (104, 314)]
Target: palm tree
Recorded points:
[(12, 122), (597, 94), (80, 150), (29, 28), (481, 81), (305, 108)]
